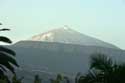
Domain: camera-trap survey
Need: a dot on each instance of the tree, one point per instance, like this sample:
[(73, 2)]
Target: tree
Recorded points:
[(16, 80), (104, 70), (52, 81), (4, 79), (37, 79), (6, 56), (58, 79), (67, 79), (77, 77)]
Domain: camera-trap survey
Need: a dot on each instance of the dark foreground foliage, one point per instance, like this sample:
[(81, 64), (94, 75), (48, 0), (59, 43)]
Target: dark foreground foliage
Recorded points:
[(6, 58), (104, 70)]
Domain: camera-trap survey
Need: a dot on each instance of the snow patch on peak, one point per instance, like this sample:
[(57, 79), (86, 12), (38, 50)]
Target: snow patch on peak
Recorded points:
[(67, 35), (47, 36), (44, 37), (66, 27)]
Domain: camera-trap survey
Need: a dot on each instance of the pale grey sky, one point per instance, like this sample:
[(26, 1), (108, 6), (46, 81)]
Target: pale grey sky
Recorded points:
[(103, 19)]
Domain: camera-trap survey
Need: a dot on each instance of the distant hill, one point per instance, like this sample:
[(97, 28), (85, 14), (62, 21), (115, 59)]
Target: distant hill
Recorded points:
[(62, 51), (69, 36), (50, 58)]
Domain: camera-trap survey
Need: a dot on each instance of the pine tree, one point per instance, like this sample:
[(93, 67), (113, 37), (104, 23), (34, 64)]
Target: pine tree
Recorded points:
[(37, 79)]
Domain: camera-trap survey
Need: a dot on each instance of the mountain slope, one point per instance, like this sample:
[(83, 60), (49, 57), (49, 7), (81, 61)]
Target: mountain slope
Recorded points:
[(51, 58), (59, 57), (62, 51), (69, 36)]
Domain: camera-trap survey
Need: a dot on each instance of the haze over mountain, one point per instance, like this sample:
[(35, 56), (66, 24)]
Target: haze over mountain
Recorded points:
[(69, 36), (48, 59), (57, 51)]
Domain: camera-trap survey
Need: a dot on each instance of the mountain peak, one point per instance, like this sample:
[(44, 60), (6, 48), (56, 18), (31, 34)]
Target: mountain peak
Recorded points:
[(70, 36), (66, 27)]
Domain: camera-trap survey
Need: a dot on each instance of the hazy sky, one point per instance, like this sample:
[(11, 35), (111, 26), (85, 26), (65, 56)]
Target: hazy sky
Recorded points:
[(103, 19)]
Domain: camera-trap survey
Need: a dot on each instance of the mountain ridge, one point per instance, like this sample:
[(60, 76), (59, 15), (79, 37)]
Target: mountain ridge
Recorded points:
[(68, 59), (27, 43), (70, 36)]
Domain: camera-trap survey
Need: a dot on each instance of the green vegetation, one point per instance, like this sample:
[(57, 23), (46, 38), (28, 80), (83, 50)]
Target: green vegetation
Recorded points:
[(66, 79), (16, 80), (77, 77), (58, 79), (6, 58), (4, 79), (104, 70), (37, 79)]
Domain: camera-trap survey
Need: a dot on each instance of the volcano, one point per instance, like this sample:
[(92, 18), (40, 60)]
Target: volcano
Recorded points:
[(69, 36)]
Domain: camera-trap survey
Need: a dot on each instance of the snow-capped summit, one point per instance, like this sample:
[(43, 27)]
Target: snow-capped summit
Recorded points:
[(63, 35), (70, 36)]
